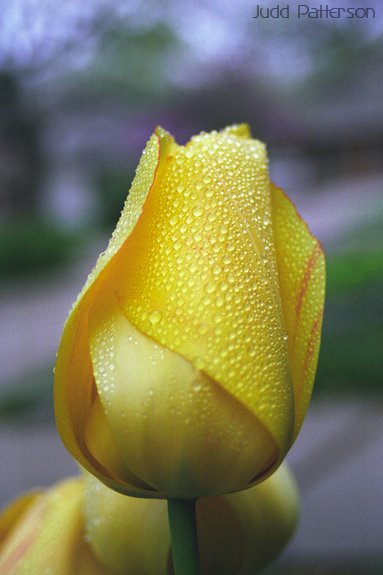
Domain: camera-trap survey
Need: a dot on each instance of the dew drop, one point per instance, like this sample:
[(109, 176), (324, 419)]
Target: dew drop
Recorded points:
[(198, 211), (210, 287), (155, 317), (196, 386), (219, 301), (212, 217)]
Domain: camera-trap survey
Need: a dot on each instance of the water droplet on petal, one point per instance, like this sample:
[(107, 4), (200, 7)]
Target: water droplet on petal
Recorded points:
[(198, 211), (155, 317), (196, 386)]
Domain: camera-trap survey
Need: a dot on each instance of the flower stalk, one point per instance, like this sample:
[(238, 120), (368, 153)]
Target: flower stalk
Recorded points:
[(183, 529)]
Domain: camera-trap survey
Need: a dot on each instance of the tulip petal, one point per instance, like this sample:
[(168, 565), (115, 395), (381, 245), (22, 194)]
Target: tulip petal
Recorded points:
[(171, 424), (103, 447), (250, 527), (12, 514), (238, 130), (48, 538), (128, 534), (301, 269), (74, 382), (202, 278)]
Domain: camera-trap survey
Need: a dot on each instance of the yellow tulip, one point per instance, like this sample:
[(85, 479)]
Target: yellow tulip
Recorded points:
[(84, 528), (186, 365)]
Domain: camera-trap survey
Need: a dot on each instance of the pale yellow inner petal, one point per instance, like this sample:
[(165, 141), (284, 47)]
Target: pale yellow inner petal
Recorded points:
[(173, 426)]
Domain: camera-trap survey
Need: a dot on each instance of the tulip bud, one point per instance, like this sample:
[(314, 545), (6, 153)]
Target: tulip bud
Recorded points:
[(238, 533), (90, 529), (186, 365), (43, 533)]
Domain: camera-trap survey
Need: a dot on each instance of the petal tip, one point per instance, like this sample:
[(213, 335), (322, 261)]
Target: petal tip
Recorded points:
[(239, 130)]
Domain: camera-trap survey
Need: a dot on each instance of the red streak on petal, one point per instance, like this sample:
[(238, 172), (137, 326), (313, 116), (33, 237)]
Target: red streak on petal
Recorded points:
[(17, 554), (316, 252), (314, 334)]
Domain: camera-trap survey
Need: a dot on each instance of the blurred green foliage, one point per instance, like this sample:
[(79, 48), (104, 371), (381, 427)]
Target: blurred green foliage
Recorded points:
[(353, 272), (352, 341), (30, 246)]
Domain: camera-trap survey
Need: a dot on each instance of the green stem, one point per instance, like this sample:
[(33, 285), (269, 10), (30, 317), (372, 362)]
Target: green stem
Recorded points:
[(183, 530)]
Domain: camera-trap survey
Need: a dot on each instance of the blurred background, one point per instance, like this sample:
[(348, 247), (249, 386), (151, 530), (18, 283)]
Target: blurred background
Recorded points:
[(82, 86)]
